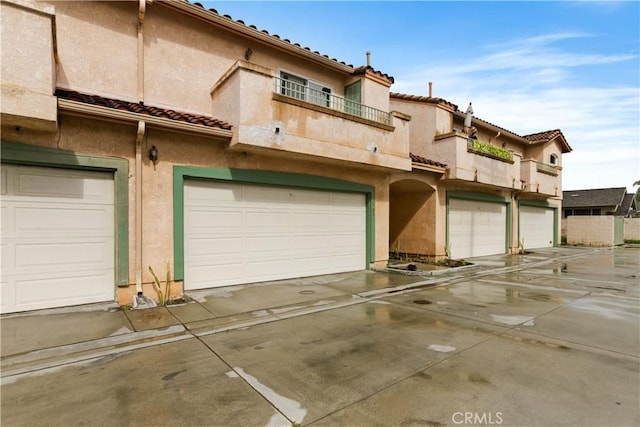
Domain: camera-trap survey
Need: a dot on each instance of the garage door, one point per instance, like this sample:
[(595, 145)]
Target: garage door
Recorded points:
[(476, 228), (237, 233), (57, 237), (536, 227)]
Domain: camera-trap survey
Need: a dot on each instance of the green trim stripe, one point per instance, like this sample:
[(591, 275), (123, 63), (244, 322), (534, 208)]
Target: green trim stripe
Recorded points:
[(282, 179), (31, 155)]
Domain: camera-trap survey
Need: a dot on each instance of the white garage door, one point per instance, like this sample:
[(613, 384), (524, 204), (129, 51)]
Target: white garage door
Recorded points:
[(476, 228), (536, 227), (57, 237), (236, 233)]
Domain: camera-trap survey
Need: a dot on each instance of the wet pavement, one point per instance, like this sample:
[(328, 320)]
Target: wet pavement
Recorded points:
[(547, 338)]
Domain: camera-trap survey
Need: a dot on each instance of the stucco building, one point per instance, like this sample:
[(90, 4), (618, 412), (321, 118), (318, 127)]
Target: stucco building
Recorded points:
[(142, 134)]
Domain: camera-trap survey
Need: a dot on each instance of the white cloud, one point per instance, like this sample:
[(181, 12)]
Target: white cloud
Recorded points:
[(531, 85)]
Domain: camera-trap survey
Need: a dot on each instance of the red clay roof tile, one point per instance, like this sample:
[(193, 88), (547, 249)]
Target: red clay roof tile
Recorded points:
[(424, 161), (196, 119), (419, 98), (364, 68), (275, 36)]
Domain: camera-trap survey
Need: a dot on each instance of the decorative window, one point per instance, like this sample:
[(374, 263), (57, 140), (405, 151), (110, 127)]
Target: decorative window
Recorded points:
[(304, 89), (553, 159)]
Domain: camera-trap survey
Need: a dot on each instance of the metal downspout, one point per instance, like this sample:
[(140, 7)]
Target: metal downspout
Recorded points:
[(138, 226), (139, 139)]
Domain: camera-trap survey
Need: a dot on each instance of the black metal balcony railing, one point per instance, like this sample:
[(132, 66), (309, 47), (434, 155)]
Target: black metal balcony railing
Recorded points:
[(324, 98)]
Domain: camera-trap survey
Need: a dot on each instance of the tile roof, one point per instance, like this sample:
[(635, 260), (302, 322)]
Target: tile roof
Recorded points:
[(534, 138), (543, 136), (540, 137), (424, 161), (133, 107), (428, 99), (625, 207), (274, 36), (598, 197), (367, 68)]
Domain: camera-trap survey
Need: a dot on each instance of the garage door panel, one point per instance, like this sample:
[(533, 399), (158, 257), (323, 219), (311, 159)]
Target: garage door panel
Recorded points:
[(221, 274), (58, 219), (58, 235), (311, 265), (198, 221), (202, 247), (259, 270), (352, 200), (308, 199), (263, 195), (287, 232), (311, 220), (476, 228), (200, 193), (3, 182), (268, 247), (310, 242), (63, 256), (536, 227), (6, 219), (272, 220), (346, 221), (344, 261), (66, 290), (61, 185)]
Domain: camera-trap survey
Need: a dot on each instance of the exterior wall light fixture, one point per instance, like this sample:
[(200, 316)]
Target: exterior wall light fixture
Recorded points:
[(153, 154)]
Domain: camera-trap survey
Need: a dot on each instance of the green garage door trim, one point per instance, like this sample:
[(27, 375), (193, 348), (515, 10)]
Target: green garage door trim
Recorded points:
[(282, 179), (480, 197), (541, 204), (31, 155)]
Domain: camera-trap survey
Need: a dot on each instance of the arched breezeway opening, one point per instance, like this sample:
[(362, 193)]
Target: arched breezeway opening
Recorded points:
[(412, 218)]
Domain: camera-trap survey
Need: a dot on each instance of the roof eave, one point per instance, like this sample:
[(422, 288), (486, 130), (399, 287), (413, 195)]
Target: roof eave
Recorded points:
[(110, 114), (239, 28), (428, 168), (461, 115)]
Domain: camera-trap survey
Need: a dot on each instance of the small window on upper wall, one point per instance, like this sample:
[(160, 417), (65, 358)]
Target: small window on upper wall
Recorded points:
[(553, 159)]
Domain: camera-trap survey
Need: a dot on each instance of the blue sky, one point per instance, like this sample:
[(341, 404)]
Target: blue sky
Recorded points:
[(526, 66)]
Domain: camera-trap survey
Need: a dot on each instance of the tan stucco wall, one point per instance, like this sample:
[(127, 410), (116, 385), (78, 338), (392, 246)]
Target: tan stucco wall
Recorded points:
[(413, 213), (97, 47), (375, 94), (27, 65), (542, 152), (427, 121)]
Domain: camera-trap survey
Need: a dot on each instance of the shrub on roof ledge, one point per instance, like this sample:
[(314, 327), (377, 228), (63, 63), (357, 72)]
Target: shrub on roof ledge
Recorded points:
[(490, 150)]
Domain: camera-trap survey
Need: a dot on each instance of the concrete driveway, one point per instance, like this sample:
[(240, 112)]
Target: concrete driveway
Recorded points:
[(548, 338)]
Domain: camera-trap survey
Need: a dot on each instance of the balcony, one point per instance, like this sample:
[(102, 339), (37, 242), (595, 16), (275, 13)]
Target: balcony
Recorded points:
[(284, 117), (475, 161), (352, 110), (540, 178)]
